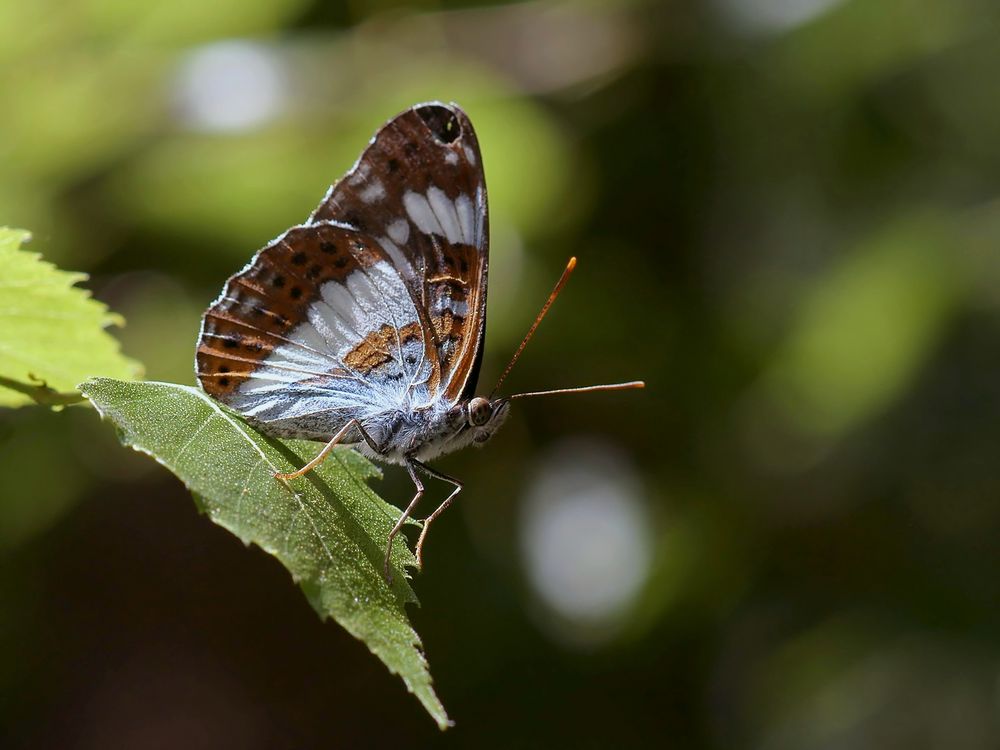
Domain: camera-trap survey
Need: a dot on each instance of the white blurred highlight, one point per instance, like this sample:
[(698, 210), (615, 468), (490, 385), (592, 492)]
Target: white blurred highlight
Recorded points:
[(230, 86), (549, 45), (586, 539), (772, 16)]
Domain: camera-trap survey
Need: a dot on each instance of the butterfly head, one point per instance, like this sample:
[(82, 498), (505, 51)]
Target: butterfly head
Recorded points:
[(484, 417)]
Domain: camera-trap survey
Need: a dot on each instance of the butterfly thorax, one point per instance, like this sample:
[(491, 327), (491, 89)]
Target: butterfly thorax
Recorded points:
[(432, 431)]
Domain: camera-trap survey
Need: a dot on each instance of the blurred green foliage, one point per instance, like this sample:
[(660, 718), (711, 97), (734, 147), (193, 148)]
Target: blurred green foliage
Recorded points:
[(787, 220)]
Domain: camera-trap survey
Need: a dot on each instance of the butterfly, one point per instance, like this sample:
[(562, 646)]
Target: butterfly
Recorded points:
[(364, 326)]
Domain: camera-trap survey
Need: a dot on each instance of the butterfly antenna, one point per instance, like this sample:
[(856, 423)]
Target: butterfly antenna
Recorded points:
[(531, 331), (585, 389)]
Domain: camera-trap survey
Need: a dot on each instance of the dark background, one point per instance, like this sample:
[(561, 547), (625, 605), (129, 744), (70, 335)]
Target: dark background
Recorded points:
[(787, 220)]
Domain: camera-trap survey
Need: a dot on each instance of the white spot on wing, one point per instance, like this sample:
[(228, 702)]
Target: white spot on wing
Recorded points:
[(314, 347), (458, 307), (451, 157), (480, 212), (444, 209), (367, 300), (360, 176), (398, 259), (469, 154), (374, 192), (399, 231), (338, 312), (420, 212), (466, 218)]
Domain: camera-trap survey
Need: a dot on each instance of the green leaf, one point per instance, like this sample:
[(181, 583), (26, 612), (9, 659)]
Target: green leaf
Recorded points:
[(51, 332), (328, 528)]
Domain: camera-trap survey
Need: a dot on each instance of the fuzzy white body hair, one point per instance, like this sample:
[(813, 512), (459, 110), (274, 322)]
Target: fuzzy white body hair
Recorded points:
[(425, 434)]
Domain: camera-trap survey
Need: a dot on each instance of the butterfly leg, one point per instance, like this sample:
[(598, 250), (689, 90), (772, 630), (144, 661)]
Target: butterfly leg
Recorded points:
[(440, 509), (406, 514), (321, 456)]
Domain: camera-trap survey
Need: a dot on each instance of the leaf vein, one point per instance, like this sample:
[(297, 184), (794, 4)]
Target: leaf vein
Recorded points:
[(298, 498), (190, 440)]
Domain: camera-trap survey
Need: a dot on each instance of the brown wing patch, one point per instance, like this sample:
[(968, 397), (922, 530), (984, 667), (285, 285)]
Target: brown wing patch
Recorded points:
[(261, 304), (376, 349), (460, 262), (447, 327)]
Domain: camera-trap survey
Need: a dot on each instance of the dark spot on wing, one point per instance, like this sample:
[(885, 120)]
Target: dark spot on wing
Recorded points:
[(295, 292), (355, 220), (442, 123), (328, 247), (393, 165), (278, 281), (299, 259)]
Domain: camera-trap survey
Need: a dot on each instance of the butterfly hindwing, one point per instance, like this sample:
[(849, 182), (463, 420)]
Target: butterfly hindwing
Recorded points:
[(419, 190), (319, 328)]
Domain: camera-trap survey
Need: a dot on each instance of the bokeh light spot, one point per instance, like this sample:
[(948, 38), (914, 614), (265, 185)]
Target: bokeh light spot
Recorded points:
[(585, 536), (230, 85), (772, 16)]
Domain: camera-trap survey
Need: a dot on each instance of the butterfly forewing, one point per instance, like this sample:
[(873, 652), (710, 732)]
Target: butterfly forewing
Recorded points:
[(419, 190)]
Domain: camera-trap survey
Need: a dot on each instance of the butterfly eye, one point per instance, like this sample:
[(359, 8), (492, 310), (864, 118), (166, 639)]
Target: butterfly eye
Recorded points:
[(479, 411)]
